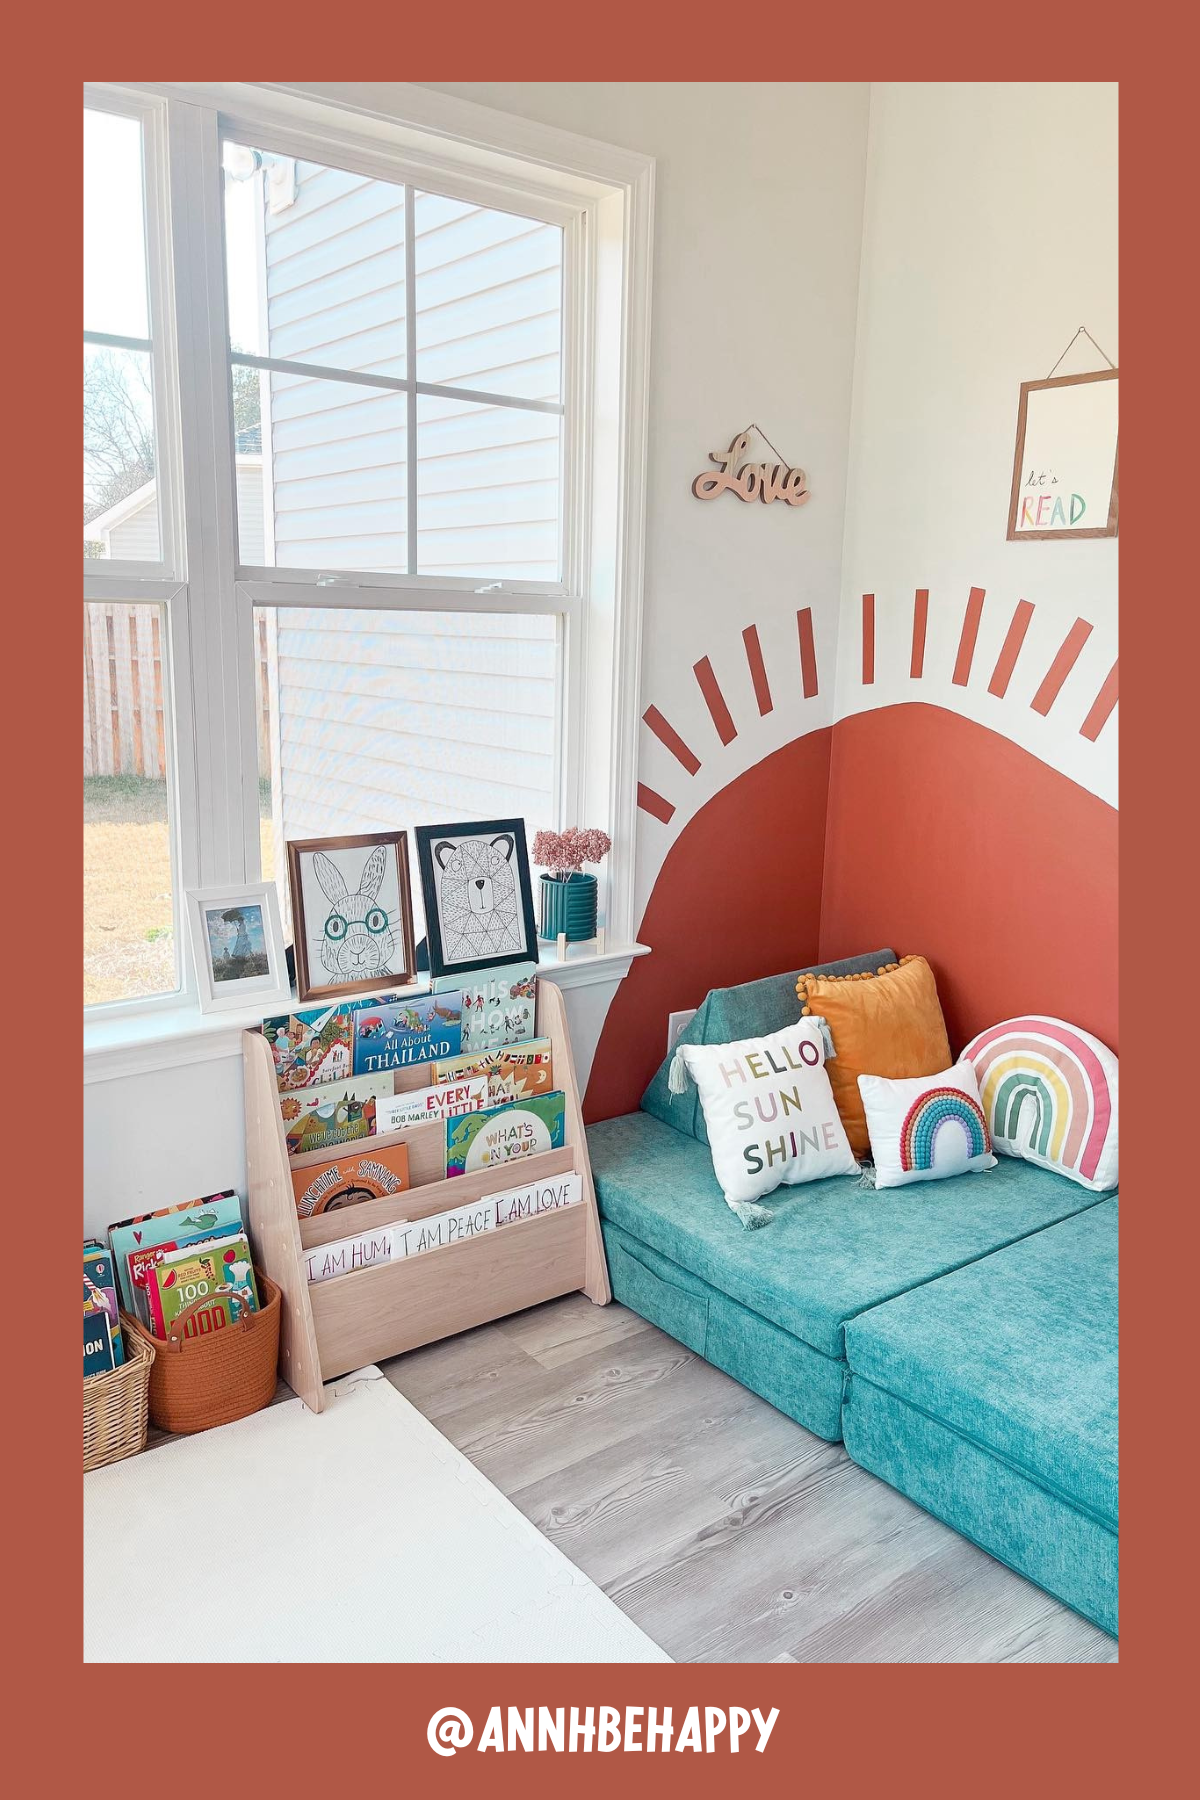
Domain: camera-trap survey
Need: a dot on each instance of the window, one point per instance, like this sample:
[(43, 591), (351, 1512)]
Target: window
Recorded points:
[(355, 554), (130, 947), (347, 457), (120, 514)]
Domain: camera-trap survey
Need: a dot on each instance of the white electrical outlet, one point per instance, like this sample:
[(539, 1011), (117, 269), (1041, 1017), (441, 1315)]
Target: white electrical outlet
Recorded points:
[(675, 1024)]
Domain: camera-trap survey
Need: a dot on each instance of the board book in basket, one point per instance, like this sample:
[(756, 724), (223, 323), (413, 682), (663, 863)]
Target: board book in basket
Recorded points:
[(100, 1300), (170, 1224), (215, 1279), (349, 1180)]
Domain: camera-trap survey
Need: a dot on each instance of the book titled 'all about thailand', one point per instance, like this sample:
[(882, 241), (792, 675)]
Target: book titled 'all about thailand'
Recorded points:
[(399, 1033)]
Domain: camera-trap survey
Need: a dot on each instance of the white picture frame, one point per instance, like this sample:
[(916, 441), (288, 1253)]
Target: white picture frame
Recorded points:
[(224, 944)]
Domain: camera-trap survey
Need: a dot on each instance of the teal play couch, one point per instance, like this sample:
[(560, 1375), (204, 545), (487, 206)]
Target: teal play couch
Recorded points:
[(960, 1334)]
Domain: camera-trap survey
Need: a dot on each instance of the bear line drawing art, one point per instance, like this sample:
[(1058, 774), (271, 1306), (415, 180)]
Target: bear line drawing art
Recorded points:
[(479, 905)]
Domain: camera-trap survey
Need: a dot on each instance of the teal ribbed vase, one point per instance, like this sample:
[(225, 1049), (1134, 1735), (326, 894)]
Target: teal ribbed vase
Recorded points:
[(569, 906)]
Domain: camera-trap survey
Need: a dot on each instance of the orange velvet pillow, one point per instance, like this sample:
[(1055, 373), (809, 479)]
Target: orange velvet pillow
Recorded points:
[(889, 1023)]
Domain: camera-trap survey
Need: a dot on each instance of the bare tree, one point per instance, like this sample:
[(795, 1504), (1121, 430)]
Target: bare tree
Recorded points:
[(118, 429)]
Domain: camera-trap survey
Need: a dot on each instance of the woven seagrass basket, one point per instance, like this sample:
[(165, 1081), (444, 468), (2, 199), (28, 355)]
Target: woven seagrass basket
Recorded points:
[(198, 1382), (115, 1404)]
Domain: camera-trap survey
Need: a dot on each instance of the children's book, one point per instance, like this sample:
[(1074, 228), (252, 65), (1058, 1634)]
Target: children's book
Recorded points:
[(318, 1118), (313, 1047), (421, 1106), (100, 1296), (97, 1343), (455, 1226), (540, 1197), (347, 1180), (503, 1134), (219, 1272), (171, 1224), (345, 1255), (497, 1007), (514, 1071), (398, 1033)]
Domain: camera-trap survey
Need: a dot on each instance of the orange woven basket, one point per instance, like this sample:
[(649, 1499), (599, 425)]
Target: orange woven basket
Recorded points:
[(198, 1382)]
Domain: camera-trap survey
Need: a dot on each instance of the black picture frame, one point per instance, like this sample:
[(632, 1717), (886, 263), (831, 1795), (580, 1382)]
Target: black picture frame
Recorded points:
[(442, 937)]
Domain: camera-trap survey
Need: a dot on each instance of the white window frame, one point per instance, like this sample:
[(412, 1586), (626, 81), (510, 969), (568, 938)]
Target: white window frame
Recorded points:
[(603, 198)]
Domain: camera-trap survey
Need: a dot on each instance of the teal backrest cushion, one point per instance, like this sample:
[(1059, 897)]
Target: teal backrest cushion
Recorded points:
[(726, 1015)]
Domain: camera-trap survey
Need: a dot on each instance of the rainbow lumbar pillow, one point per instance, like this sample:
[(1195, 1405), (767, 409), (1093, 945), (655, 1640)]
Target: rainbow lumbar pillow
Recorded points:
[(1049, 1095), (925, 1127)]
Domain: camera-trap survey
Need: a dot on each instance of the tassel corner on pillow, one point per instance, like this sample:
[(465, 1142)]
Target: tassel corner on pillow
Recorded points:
[(866, 1175), (826, 1037), (677, 1074), (752, 1215)]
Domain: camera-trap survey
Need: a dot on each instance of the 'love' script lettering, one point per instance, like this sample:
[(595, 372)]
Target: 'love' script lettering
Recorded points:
[(750, 481)]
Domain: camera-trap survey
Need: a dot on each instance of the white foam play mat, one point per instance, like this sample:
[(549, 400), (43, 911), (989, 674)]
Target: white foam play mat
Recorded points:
[(358, 1534)]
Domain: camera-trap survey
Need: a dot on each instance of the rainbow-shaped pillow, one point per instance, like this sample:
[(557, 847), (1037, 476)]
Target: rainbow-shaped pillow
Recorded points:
[(925, 1127), (1049, 1095)]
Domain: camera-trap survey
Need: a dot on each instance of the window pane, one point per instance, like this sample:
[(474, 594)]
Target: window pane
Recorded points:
[(129, 934), (332, 494), (120, 505), (381, 720), (315, 260), (114, 227), (489, 299), (487, 490)]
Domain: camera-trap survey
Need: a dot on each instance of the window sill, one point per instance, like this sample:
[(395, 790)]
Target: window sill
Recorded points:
[(172, 1037)]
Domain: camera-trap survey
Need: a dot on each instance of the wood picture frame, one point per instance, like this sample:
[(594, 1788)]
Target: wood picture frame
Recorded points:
[(1049, 446), (352, 937), (501, 929)]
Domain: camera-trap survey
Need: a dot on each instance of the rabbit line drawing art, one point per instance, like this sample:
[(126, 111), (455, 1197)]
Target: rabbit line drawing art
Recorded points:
[(357, 939)]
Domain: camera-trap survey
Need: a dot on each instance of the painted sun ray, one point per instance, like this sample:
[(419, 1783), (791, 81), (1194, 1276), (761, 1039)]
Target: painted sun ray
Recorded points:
[(967, 637), (808, 653), (1064, 661), (758, 670), (868, 639), (667, 735), (1010, 649), (714, 699), (1102, 707), (654, 804), (916, 666)]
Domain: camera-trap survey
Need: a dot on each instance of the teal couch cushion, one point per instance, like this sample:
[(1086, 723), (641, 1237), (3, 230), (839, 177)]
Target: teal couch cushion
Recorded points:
[(834, 1248), (1017, 1354), (769, 1361), (725, 1016)]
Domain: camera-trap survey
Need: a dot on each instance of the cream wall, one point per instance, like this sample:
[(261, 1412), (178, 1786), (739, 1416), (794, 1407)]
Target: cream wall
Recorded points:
[(758, 226), (990, 235)]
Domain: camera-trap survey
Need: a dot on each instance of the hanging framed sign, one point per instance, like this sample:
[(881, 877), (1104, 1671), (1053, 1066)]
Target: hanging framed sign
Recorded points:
[(1064, 481)]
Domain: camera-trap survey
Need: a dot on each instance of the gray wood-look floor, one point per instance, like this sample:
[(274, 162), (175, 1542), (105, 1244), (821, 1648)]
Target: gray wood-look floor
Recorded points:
[(726, 1531)]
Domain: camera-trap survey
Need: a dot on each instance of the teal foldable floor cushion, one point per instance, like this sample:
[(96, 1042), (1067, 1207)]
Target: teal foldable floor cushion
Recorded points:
[(990, 1398), (770, 1307)]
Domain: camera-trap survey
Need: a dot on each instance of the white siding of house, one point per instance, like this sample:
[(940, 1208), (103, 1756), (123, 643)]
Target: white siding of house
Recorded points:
[(137, 536), (384, 720)]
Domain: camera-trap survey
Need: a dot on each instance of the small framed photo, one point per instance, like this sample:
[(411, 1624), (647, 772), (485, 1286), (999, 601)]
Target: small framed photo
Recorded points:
[(351, 914), (478, 895), (237, 947)]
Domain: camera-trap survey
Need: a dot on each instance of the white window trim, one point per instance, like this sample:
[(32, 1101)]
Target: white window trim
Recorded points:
[(604, 193)]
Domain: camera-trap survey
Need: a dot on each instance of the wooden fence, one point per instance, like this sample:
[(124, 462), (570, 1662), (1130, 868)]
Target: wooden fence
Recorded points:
[(124, 729)]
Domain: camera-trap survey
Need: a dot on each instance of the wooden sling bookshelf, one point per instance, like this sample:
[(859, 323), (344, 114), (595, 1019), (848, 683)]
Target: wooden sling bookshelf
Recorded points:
[(330, 1327)]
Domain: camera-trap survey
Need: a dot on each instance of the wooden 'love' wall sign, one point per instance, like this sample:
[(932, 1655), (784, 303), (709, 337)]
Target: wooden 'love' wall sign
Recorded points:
[(751, 481)]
